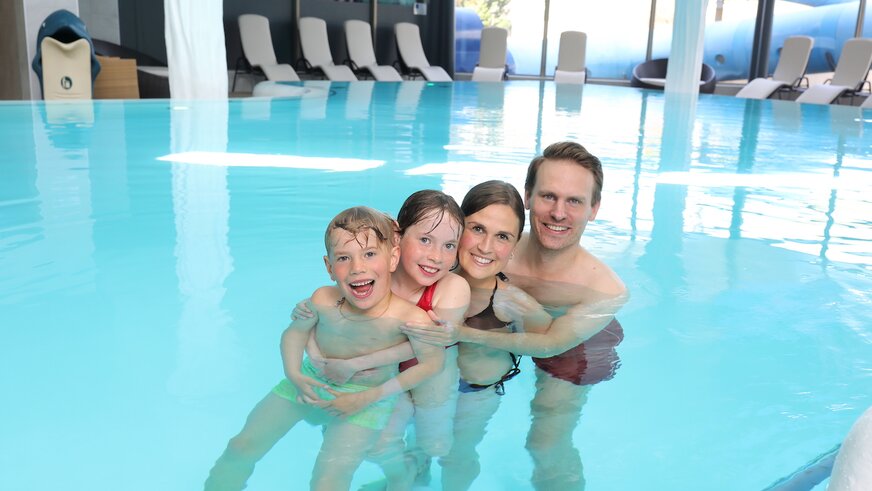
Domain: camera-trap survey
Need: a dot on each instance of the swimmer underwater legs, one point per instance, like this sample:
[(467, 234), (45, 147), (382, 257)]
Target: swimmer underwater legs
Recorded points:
[(474, 410), (555, 410)]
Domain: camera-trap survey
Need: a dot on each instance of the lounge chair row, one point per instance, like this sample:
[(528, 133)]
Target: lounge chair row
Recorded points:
[(258, 52), (848, 79), (492, 67)]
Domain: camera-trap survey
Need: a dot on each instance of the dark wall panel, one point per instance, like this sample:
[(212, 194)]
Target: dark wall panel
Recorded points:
[(141, 23)]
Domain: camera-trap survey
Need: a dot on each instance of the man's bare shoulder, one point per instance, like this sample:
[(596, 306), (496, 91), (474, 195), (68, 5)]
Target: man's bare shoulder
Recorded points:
[(600, 276)]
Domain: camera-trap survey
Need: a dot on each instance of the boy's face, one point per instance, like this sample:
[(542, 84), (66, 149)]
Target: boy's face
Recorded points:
[(361, 266)]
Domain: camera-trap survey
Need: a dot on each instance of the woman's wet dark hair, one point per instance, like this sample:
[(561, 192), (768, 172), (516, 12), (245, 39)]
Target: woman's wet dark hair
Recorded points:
[(494, 193), (425, 203)]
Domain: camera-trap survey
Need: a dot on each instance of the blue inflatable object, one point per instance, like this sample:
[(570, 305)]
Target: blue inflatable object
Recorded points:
[(65, 27)]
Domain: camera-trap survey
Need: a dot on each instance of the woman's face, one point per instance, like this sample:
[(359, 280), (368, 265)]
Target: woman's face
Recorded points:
[(428, 248), (488, 239)]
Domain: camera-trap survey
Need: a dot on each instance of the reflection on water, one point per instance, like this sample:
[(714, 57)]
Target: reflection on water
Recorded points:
[(741, 228)]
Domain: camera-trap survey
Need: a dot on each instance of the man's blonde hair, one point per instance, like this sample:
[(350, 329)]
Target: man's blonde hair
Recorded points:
[(358, 220)]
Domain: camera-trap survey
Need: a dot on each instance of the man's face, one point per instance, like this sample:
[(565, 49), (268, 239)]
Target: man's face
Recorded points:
[(560, 204)]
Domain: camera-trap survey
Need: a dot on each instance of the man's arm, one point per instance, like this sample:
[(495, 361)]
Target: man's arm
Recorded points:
[(580, 323)]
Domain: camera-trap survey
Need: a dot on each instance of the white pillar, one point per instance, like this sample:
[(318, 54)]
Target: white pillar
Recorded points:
[(685, 56), (196, 56)]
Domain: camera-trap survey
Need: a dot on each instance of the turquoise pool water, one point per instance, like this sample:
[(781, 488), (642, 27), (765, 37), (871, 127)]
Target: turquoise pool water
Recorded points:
[(151, 252)]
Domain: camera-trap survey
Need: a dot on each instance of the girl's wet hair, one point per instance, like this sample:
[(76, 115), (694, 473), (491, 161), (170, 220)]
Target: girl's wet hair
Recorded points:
[(357, 221), (494, 193), (427, 203)]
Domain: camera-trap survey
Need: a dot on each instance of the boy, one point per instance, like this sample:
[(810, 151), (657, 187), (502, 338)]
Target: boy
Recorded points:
[(356, 316)]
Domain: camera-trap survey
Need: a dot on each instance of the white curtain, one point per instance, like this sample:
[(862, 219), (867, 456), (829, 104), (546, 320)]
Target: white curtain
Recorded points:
[(196, 54)]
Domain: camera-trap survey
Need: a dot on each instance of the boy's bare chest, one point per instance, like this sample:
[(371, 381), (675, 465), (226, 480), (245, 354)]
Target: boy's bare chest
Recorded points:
[(341, 337)]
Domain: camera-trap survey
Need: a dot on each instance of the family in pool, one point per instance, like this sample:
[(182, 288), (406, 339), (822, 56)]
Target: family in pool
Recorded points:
[(405, 358)]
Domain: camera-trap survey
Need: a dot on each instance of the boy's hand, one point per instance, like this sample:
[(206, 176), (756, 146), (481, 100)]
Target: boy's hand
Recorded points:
[(347, 403), (303, 310), (437, 333), (304, 384)]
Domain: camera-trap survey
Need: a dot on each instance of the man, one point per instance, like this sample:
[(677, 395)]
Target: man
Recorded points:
[(562, 193)]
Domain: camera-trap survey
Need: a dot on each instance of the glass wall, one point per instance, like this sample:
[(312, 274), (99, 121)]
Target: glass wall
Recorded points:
[(616, 37), (618, 32), (524, 19)]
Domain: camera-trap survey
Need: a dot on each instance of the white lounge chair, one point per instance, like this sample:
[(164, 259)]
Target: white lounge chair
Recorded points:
[(316, 50), (789, 71), (570, 58), (358, 39), (412, 53), (257, 49), (849, 77), (492, 56)]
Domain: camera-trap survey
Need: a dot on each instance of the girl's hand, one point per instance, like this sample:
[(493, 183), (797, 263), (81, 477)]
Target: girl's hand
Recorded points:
[(303, 310), (347, 403), (305, 392), (437, 333), (338, 371)]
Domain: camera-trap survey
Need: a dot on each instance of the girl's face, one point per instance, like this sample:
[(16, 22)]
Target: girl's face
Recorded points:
[(488, 239), (428, 248)]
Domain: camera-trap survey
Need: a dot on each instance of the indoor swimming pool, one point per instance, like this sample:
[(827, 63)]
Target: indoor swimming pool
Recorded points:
[(151, 253)]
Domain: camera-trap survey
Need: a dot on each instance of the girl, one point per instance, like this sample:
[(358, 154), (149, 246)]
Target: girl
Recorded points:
[(429, 224)]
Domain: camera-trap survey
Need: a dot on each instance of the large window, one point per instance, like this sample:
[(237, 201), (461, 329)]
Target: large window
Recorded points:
[(618, 32), (616, 36), (524, 19)]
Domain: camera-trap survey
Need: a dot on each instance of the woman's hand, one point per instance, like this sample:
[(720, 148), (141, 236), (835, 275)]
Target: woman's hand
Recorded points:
[(437, 333), (513, 304)]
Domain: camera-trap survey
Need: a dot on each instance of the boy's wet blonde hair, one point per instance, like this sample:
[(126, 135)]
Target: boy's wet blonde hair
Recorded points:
[(358, 220)]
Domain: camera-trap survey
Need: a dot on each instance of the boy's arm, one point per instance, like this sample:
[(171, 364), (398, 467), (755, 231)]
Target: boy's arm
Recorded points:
[(580, 323), (293, 343)]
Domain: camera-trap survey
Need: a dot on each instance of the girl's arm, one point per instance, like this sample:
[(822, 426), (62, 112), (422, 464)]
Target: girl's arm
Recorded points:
[(450, 304), (430, 362)]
